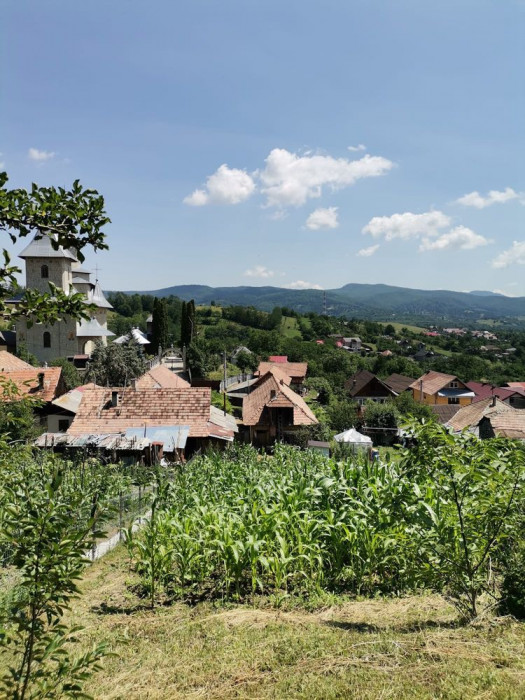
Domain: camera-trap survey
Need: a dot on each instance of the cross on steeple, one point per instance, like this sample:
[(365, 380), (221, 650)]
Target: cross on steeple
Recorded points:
[(97, 270)]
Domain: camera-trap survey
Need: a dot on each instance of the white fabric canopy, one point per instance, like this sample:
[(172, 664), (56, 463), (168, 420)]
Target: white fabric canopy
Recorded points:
[(353, 436)]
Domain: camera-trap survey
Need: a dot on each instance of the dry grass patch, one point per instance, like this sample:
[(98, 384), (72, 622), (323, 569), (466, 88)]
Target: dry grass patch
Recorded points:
[(392, 648)]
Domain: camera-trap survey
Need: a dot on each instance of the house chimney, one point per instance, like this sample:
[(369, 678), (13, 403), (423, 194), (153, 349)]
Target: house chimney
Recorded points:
[(114, 398), (273, 394), (41, 376), (134, 384), (493, 402)]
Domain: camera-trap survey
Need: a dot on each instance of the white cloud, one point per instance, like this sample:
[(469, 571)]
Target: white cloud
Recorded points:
[(360, 147), (459, 238), (322, 218), (505, 294), (259, 271), (367, 252), (474, 199), (225, 186), (290, 180), (407, 225), (35, 154), (301, 284), (512, 256)]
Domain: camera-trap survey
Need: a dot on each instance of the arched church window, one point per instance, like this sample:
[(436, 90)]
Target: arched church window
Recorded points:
[(47, 339), (44, 271)]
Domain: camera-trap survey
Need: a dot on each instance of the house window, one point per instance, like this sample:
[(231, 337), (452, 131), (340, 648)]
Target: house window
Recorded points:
[(453, 385), (63, 425), (453, 399), (44, 271), (47, 339)]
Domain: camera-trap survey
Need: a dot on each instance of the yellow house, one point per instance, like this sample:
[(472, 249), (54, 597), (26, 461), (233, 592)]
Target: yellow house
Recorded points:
[(436, 388)]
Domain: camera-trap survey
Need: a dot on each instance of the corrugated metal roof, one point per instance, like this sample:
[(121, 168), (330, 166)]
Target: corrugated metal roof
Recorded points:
[(171, 436)]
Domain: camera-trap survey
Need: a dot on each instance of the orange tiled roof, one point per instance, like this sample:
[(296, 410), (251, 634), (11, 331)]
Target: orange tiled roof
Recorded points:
[(28, 384), (292, 369), (283, 397), (161, 377), (136, 407), (10, 362), (433, 382), (471, 415)]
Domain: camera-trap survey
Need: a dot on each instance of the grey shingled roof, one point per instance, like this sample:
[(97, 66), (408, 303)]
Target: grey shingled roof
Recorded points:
[(96, 296), (41, 247), (92, 329)]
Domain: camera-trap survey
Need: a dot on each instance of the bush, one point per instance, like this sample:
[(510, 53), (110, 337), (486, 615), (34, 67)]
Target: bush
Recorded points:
[(513, 584)]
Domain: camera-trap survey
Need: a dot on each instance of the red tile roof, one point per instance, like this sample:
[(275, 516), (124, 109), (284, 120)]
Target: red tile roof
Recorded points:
[(27, 382), (161, 377), (9, 362), (433, 382), (295, 370), (484, 391), (150, 406), (272, 392)]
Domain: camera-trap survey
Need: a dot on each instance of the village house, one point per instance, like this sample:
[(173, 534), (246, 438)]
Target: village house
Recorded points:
[(439, 388), (364, 386), (272, 409), (19, 380), (513, 396), (296, 371), (469, 417), (177, 421)]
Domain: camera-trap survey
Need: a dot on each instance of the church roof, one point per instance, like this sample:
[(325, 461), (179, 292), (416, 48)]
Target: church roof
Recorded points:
[(92, 329), (96, 296), (136, 334), (81, 280), (41, 247)]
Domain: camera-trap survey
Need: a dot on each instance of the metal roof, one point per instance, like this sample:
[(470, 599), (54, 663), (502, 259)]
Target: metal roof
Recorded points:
[(138, 336), (172, 436), (92, 329), (41, 247), (96, 296), (81, 280)]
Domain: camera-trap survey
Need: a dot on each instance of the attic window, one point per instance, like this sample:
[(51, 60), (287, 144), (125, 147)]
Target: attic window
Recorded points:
[(453, 385), (44, 271)]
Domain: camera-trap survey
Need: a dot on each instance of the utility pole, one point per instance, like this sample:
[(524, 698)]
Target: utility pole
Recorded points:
[(224, 383)]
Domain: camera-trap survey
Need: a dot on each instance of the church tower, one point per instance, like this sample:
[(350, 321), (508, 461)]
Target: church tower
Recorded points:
[(66, 338)]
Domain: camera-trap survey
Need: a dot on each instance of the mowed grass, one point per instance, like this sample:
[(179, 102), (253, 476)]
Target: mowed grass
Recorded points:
[(289, 327), (386, 648)]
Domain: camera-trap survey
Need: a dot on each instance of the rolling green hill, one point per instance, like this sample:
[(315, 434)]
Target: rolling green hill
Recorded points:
[(373, 301)]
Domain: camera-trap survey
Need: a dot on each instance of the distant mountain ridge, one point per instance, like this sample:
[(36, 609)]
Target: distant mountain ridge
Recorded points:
[(374, 301)]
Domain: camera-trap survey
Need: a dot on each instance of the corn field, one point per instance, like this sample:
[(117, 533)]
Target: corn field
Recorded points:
[(240, 523), (294, 521)]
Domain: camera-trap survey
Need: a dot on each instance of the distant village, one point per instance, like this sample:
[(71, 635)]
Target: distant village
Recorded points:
[(166, 415)]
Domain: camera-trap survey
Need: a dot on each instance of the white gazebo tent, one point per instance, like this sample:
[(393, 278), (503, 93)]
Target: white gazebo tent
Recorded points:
[(354, 438)]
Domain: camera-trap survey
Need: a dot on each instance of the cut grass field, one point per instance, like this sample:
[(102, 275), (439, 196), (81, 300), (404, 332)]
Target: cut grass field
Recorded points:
[(289, 327), (383, 648)]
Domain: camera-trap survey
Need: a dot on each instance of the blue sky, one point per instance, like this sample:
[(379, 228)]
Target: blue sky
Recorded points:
[(284, 143)]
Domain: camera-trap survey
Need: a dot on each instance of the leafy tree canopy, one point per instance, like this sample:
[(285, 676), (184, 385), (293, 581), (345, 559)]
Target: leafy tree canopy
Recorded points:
[(115, 364), (71, 218)]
